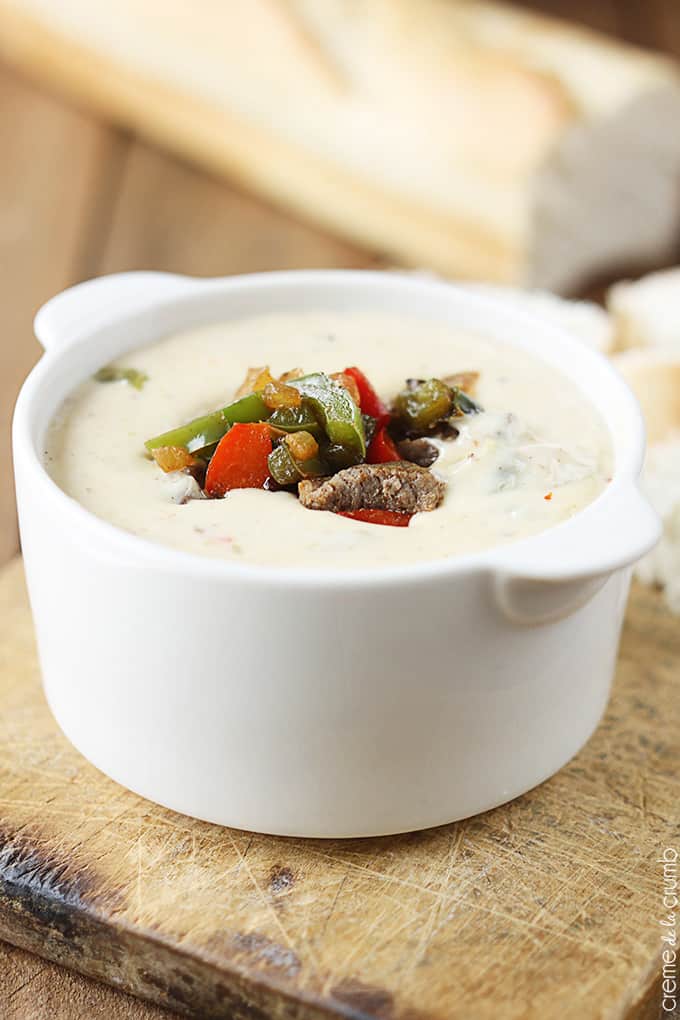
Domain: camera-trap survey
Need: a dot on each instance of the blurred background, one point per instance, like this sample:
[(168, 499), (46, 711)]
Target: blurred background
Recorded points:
[(83, 193), (80, 196)]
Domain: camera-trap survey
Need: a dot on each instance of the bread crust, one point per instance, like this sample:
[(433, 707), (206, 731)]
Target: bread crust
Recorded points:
[(466, 204)]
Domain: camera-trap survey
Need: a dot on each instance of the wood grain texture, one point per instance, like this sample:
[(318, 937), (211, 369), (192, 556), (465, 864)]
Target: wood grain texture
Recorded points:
[(34, 989), (545, 908), (50, 183), (171, 216)]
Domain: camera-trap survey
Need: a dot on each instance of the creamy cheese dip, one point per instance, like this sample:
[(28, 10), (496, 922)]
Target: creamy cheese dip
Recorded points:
[(537, 455)]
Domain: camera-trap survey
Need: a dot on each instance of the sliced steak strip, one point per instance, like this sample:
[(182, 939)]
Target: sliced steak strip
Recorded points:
[(398, 486)]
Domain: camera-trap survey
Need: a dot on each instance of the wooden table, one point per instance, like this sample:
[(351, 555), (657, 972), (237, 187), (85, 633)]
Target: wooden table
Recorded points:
[(78, 199), (546, 908)]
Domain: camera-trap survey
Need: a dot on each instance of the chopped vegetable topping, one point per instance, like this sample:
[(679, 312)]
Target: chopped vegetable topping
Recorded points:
[(330, 435), (422, 404), (282, 466), (369, 401), (286, 469), (195, 435), (278, 394), (256, 379), (348, 381), (382, 449), (430, 407), (391, 517), (337, 412), (370, 427), (173, 458), (209, 429), (463, 404), (295, 419), (302, 445), (109, 373), (240, 460)]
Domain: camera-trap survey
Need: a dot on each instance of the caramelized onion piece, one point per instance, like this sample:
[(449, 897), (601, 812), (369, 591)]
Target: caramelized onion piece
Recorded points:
[(256, 379), (302, 445), (278, 394), (173, 458)]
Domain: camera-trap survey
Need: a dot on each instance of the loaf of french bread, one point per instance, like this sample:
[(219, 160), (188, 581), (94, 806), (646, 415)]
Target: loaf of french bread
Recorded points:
[(477, 139)]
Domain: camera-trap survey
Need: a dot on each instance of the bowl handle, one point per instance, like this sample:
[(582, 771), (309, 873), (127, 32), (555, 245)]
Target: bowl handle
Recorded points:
[(564, 575), (83, 308)]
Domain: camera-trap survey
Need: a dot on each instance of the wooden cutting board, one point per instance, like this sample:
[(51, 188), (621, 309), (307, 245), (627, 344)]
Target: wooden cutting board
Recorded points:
[(546, 908)]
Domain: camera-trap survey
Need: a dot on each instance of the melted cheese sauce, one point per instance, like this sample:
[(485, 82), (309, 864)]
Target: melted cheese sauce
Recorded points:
[(538, 437)]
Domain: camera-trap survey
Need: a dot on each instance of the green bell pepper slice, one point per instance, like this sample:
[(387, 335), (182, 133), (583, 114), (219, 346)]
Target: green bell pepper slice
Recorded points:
[(209, 429), (296, 419), (422, 404), (286, 470), (335, 409), (133, 376)]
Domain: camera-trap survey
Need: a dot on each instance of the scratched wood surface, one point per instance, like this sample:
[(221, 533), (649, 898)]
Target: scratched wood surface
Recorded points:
[(78, 198), (544, 909)]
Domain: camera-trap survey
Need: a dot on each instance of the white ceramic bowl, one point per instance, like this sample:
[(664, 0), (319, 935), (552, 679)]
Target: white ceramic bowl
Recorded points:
[(420, 694)]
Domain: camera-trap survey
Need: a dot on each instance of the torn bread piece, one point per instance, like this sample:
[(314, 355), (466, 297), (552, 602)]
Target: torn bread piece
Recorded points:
[(654, 377), (583, 319), (646, 313), (476, 138)]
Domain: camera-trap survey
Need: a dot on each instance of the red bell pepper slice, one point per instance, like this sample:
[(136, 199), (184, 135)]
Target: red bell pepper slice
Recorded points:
[(370, 402), (240, 460), (391, 517), (382, 449)]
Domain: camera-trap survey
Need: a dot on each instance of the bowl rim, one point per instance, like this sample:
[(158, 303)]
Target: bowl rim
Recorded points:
[(120, 543)]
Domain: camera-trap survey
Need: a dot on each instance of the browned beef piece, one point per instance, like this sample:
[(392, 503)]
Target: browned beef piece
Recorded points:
[(398, 486), (418, 451)]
